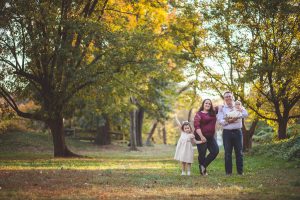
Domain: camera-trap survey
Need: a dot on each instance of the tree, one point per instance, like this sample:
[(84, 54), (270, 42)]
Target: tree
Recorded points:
[(259, 41), (51, 50), (151, 132), (48, 48)]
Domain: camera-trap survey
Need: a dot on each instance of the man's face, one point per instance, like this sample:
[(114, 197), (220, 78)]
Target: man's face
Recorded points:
[(228, 98)]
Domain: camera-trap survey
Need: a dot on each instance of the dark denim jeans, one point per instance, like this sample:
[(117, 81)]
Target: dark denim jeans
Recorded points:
[(233, 139), (213, 149)]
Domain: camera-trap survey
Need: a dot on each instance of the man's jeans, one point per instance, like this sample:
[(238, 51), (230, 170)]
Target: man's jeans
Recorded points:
[(233, 139)]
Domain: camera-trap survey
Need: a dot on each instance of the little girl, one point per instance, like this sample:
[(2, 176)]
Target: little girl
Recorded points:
[(184, 150)]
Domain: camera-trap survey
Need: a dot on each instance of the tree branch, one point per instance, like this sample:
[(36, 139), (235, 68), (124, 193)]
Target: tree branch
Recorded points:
[(15, 107)]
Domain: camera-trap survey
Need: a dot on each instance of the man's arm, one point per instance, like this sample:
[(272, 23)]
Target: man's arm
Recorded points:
[(221, 116), (244, 113)]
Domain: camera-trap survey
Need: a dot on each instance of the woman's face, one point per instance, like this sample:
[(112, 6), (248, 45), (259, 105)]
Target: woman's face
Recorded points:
[(207, 105)]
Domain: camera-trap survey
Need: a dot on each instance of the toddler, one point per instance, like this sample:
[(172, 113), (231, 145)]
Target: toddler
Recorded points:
[(236, 112), (184, 149)]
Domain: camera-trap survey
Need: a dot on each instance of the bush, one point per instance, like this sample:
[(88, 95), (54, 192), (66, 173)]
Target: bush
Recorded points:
[(288, 149), (293, 130), (12, 125), (263, 136)]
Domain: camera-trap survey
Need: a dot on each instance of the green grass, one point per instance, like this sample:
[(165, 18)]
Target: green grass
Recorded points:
[(113, 172)]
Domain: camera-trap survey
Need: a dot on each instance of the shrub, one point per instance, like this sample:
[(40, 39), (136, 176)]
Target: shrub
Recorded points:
[(288, 149), (293, 130), (263, 136), (12, 125)]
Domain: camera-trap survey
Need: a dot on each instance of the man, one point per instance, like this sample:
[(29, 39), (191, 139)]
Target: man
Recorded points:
[(232, 133)]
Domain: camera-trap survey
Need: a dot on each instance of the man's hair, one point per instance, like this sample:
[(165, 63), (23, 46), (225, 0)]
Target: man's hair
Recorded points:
[(228, 92)]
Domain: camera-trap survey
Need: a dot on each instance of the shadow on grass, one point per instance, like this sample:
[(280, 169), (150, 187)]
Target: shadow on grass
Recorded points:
[(137, 183)]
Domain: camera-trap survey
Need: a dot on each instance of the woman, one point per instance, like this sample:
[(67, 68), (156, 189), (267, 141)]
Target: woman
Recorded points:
[(205, 123)]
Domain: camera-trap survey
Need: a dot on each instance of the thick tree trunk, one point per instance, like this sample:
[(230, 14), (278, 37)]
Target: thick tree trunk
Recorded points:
[(139, 126), (133, 130), (282, 126), (248, 134), (57, 131), (150, 134), (103, 136), (247, 140)]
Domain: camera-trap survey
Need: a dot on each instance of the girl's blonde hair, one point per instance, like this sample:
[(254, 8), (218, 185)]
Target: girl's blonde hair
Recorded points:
[(237, 101)]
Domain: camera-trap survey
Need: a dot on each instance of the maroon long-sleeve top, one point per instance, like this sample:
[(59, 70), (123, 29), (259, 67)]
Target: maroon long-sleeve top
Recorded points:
[(206, 123)]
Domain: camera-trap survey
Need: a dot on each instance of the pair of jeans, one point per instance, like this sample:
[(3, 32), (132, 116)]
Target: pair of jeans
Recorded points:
[(233, 139), (213, 149)]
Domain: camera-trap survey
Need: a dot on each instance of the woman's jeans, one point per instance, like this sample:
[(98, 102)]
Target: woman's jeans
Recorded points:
[(213, 149), (233, 139)]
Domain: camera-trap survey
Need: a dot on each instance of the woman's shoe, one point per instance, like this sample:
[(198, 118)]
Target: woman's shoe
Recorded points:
[(202, 170)]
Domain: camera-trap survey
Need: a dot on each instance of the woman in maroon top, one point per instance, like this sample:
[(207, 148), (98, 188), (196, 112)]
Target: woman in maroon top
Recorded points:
[(205, 123)]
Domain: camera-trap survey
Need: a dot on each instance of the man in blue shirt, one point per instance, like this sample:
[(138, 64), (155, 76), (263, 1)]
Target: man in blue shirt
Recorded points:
[(232, 133)]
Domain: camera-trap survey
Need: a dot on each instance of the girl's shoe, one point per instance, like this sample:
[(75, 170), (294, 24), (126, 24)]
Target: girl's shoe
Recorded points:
[(183, 174), (188, 173)]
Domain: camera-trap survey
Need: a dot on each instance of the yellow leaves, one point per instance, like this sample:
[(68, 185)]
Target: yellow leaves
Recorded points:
[(28, 106), (171, 65), (74, 39), (122, 14)]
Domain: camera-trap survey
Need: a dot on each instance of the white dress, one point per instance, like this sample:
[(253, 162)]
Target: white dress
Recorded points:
[(184, 149), (234, 114)]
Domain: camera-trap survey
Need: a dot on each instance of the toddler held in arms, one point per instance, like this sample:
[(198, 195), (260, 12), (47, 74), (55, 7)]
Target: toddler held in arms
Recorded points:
[(236, 112)]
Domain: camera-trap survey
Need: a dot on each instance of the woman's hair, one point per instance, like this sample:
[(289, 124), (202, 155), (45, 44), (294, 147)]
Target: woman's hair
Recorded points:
[(186, 123), (211, 111)]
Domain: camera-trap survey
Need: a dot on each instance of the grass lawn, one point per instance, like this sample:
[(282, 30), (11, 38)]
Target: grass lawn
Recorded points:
[(29, 171)]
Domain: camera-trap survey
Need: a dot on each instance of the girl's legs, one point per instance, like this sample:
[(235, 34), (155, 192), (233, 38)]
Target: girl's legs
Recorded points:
[(189, 169), (183, 168)]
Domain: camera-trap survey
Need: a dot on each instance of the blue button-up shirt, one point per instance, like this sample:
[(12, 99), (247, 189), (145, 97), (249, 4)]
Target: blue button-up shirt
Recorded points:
[(223, 110)]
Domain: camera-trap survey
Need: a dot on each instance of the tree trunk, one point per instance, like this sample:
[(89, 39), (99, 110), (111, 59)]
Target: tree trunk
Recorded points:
[(103, 136), (57, 131), (282, 126), (247, 141), (190, 114), (164, 134), (140, 119), (133, 125), (150, 134), (248, 134), (133, 130)]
